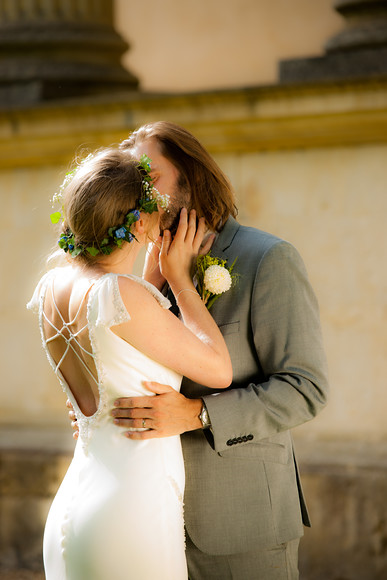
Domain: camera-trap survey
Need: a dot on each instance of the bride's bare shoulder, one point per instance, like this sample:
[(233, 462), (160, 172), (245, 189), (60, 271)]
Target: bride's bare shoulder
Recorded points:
[(136, 292)]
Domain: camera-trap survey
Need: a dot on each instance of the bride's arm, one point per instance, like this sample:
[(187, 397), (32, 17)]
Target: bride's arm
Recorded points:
[(194, 348)]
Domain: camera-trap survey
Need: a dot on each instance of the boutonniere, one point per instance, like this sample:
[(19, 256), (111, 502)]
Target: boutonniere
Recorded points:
[(213, 277)]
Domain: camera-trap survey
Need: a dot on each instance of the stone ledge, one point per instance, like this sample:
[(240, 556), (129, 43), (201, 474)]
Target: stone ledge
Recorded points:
[(341, 454), (368, 63), (243, 120), (35, 438), (21, 575)]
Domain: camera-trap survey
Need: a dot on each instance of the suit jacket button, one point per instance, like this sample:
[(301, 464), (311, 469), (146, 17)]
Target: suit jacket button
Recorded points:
[(234, 441), (229, 443), (239, 440), (250, 437), (244, 438)]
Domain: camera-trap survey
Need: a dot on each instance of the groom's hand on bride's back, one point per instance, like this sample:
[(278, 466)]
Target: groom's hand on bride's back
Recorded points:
[(73, 419), (166, 414)]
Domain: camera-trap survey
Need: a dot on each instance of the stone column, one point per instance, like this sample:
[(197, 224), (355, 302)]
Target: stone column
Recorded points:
[(365, 25), (359, 51), (52, 49)]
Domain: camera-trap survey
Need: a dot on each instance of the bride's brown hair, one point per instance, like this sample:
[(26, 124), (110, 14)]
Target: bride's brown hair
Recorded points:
[(104, 189), (211, 193)]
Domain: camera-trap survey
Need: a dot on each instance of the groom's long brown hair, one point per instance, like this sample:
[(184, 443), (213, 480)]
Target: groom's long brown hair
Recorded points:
[(211, 193)]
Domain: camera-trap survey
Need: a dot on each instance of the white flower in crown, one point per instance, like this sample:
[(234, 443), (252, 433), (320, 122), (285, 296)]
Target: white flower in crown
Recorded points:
[(217, 279)]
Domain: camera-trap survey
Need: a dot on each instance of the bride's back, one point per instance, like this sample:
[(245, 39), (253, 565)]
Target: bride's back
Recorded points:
[(66, 334)]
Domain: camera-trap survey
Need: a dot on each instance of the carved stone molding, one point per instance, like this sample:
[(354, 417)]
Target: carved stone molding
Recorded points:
[(58, 49), (240, 120), (365, 25), (359, 51)]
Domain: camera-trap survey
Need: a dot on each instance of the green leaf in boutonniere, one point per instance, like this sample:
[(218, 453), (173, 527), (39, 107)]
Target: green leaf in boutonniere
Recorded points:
[(213, 277)]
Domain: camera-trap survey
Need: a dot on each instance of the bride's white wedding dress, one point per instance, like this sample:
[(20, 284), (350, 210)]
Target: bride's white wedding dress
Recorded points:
[(118, 514)]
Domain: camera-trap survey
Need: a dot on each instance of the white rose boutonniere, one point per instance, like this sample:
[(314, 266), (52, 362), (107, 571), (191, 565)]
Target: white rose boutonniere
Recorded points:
[(213, 278)]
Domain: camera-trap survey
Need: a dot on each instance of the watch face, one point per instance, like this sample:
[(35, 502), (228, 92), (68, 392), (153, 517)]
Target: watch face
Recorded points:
[(204, 417)]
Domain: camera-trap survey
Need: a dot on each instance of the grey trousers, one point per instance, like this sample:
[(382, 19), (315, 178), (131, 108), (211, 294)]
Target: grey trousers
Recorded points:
[(276, 563)]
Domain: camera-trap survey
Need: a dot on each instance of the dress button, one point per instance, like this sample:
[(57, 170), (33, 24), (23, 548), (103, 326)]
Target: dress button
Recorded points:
[(229, 443), (250, 437)]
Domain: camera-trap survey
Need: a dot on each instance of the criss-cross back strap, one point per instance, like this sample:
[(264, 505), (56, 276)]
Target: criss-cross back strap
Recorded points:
[(73, 337)]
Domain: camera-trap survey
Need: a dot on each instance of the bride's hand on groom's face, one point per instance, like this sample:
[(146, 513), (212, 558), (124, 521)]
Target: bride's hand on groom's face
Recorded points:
[(177, 255)]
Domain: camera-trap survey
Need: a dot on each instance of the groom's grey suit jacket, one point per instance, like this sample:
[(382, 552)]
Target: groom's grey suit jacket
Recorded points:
[(242, 486)]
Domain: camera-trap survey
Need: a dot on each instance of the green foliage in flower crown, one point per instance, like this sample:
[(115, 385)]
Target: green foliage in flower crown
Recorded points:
[(116, 235), (56, 217)]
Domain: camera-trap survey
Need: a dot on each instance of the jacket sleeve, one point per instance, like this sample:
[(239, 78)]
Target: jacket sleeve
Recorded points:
[(288, 344)]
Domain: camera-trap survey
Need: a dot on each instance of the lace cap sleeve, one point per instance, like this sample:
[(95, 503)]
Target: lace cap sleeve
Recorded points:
[(34, 302), (106, 307)]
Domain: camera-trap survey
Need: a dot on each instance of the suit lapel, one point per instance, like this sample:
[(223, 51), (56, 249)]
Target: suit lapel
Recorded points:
[(222, 248), (225, 238)]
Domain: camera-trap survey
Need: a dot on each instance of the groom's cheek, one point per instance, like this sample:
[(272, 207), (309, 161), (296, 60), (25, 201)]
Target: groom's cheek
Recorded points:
[(169, 221)]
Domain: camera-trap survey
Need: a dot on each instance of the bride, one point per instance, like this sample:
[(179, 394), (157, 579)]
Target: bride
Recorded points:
[(119, 512)]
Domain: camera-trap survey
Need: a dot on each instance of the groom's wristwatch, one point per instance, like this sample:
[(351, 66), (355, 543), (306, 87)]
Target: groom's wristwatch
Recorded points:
[(204, 417)]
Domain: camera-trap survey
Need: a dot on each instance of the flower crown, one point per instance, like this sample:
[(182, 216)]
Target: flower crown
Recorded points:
[(116, 235)]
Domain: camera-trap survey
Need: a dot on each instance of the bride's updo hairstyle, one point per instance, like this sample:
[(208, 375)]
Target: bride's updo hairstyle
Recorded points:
[(105, 187)]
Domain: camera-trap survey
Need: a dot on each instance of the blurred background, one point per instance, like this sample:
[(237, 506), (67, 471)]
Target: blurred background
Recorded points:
[(290, 97)]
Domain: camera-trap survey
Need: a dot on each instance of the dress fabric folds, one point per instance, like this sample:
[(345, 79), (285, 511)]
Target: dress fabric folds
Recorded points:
[(119, 510)]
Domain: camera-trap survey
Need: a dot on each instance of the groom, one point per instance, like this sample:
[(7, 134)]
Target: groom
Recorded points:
[(244, 507)]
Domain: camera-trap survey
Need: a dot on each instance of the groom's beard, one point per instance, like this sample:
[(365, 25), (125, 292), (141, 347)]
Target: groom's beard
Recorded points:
[(181, 197)]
